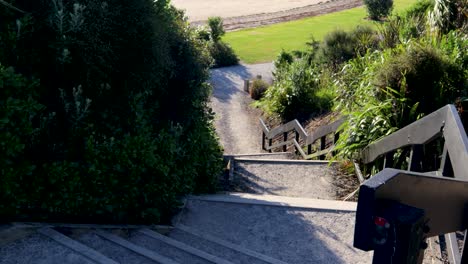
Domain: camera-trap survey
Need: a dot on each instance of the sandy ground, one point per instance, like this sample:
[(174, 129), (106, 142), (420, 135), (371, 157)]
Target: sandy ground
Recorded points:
[(202, 9)]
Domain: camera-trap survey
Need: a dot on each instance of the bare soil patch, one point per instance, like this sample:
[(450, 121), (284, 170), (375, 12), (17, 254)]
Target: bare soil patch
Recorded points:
[(248, 15)]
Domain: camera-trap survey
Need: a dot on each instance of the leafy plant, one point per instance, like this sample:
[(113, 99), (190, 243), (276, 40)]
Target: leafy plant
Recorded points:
[(216, 28), (258, 89), (378, 9)]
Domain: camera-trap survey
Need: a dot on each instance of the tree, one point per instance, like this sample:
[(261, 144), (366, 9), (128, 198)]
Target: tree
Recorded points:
[(378, 8)]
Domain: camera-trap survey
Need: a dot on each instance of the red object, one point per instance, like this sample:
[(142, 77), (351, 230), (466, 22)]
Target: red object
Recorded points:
[(379, 221)]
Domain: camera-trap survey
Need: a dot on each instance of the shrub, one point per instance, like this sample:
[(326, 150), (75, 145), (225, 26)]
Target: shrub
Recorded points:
[(378, 8), (258, 88), (117, 126), (340, 46), (295, 93), (223, 54), (216, 28)]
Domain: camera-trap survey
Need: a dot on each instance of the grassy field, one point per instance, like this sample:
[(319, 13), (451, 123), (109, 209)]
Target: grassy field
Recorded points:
[(262, 44)]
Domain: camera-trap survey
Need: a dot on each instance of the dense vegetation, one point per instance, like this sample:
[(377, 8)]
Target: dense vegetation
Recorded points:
[(103, 113), (381, 80), (223, 55)]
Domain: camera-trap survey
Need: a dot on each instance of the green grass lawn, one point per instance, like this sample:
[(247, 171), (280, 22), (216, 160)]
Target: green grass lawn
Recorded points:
[(262, 44)]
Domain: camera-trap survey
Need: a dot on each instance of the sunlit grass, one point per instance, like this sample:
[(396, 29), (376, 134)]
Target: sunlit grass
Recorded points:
[(262, 44)]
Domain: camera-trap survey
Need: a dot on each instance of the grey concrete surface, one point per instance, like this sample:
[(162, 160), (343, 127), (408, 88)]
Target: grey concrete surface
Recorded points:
[(112, 250), (38, 249), (236, 124), (165, 249), (293, 236), (308, 180)]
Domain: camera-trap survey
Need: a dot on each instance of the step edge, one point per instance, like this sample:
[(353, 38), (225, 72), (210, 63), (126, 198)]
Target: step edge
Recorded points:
[(230, 245), (184, 247), (287, 161), (257, 154), (135, 248), (279, 201), (76, 246)]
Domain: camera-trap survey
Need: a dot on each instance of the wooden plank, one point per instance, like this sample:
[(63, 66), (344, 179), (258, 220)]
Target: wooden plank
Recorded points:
[(420, 132), (457, 143), (452, 248), (324, 130)]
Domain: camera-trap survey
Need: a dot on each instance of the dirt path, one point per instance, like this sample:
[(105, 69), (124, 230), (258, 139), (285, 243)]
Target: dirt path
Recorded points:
[(247, 14), (236, 123)]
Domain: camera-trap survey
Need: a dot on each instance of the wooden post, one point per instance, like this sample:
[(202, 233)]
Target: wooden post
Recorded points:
[(285, 138), (388, 161), (322, 146), (246, 85), (263, 141), (416, 158)]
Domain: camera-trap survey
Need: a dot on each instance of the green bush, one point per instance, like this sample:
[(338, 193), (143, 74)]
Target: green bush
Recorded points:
[(258, 89), (223, 54), (216, 28), (117, 126), (378, 9), (297, 91), (340, 46)]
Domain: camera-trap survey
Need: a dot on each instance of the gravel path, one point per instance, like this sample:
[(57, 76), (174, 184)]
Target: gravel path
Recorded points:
[(288, 234), (309, 180), (236, 123)]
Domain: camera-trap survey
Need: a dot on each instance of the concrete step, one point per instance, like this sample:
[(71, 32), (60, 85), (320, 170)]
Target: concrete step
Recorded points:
[(116, 251), (276, 155), (39, 249), (219, 247), (294, 178), (290, 234), (171, 248)]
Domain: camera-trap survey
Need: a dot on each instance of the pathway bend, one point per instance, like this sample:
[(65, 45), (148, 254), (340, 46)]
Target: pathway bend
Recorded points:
[(236, 122)]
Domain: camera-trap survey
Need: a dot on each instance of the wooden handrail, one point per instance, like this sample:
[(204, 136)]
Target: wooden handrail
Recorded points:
[(308, 140), (444, 122)]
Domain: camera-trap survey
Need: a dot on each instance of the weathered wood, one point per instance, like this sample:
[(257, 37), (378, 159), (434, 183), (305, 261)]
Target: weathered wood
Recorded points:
[(246, 85), (453, 252), (263, 141), (324, 130), (285, 138), (388, 161), (416, 158), (420, 132), (322, 146)]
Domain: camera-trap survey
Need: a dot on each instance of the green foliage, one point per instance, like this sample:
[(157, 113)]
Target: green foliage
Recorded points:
[(116, 127), (258, 89), (222, 54), (378, 9), (216, 28), (295, 93), (384, 91), (340, 46)]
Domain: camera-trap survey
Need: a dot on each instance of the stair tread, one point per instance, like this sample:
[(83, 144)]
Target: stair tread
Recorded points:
[(291, 235), (39, 249), (164, 249), (316, 180), (112, 250)]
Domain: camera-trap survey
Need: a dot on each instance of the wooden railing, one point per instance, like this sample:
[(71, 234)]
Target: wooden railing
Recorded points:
[(301, 137), (443, 125)]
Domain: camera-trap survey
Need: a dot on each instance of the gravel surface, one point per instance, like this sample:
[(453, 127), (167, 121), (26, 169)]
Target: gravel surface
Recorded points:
[(309, 180), (291, 235), (236, 123), (38, 249)]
